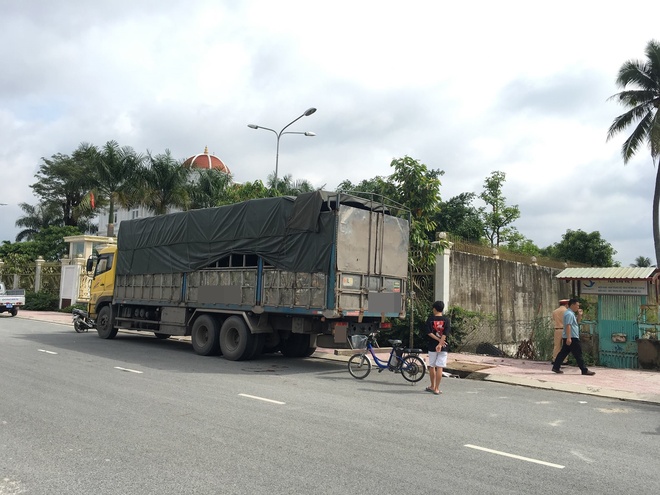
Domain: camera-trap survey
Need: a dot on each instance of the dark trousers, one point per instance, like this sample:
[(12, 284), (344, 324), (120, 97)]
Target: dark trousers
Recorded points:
[(575, 348)]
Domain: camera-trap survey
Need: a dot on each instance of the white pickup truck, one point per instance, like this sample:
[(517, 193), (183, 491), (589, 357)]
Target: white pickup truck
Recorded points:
[(11, 299)]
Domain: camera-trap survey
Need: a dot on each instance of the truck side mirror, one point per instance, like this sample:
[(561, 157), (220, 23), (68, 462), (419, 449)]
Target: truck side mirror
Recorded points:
[(90, 264)]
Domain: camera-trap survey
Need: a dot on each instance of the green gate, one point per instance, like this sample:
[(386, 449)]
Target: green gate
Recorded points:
[(618, 330)]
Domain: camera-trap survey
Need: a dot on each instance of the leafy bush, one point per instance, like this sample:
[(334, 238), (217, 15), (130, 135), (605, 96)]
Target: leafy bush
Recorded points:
[(401, 328), (543, 338), (40, 301), (466, 326)]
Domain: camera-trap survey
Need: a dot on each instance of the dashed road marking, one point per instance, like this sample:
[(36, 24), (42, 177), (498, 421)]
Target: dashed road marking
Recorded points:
[(613, 410), (47, 352), (128, 370), (514, 456), (262, 398), (582, 457)]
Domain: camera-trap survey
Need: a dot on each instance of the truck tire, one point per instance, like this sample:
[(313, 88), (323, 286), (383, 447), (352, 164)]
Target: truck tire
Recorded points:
[(236, 341), (105, 323), (257, 348), (205, 336), (14, 311), (297, 345)]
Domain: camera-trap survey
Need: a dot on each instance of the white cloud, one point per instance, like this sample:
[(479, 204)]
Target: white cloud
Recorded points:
[(468, 88)]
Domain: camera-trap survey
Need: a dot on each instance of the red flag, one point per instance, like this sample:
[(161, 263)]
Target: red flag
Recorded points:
[(91, 200)]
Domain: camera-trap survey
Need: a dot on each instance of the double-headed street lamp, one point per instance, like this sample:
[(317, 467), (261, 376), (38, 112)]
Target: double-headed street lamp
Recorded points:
[(307, 113)]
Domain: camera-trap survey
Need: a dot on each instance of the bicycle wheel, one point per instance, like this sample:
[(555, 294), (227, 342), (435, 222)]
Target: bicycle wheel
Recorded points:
[(413, 368), (359, 366)]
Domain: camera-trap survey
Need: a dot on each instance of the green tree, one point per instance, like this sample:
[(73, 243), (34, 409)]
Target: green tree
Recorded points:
[(378, 185), (418, 188), (208, 188), (248, 190), (163, 183), (116, 172), (518, 243), (37, 218), (457, 216), (286, 186), (50, 243), (497, 216), (590, 249), (64, 182), (643, 101), (47, 243), (641, 262)]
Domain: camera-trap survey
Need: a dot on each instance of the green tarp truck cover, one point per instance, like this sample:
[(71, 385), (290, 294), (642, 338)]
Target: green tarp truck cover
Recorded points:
[(293, 234)]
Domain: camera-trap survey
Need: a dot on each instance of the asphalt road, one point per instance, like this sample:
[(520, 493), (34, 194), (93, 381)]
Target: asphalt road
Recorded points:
[(136, 415)]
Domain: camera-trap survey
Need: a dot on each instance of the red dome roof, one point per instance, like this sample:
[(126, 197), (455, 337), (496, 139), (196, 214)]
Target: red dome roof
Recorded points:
[(205, 160)]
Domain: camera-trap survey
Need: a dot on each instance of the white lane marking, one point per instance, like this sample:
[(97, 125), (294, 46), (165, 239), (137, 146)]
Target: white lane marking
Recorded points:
[(262, 398), (582, 402), (556, 422), (614, 410), (582, 457), (513, 456), (47, 352), (127, 369)]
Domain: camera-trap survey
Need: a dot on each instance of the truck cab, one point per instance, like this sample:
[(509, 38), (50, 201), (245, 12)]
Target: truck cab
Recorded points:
[(103, 283)]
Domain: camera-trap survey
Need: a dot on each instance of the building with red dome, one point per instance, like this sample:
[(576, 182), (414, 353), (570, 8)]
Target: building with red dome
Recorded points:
[(200, 161), (206, 161)]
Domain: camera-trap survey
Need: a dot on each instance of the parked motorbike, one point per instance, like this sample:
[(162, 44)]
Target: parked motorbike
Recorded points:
[(81, 321)]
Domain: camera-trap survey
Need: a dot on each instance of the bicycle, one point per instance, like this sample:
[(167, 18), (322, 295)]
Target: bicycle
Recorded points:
[(402, 360)]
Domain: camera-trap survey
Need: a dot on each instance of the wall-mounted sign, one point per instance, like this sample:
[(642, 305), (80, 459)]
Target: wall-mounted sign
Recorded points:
[(615, 287)]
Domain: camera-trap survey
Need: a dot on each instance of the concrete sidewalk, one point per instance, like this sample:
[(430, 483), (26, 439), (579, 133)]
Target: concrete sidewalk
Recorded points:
[(632, 385)]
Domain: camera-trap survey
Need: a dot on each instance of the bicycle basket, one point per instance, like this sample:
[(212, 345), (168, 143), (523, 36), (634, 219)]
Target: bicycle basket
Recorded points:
[(359, 341)]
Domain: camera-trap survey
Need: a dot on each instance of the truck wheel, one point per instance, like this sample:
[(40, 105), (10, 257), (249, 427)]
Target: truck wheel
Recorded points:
[(297, 345), (271, 343), (309, 351), (14, 311), (236, 341), (257, 348), (105, 323), (204, 336)]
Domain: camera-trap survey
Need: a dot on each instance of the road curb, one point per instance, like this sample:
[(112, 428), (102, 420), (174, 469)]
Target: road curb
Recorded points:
[(575, 389)]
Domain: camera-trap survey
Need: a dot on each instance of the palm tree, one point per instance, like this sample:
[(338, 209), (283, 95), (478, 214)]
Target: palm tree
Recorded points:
[(643, 102), (208, 188), (37, 218), (641, 261), (286, 186), (116, 171), (164, 183)]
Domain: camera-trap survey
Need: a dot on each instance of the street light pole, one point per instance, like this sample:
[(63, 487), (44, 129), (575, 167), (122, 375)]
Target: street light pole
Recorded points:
[(306, 113)]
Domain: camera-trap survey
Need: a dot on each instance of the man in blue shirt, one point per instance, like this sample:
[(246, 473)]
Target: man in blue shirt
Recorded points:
[(571, 339)]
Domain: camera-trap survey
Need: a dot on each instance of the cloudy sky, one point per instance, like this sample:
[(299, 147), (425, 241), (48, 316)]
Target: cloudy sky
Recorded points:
[(465, 87)]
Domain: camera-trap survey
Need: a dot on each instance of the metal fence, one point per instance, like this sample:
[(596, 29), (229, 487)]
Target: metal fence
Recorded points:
[(473, 248)]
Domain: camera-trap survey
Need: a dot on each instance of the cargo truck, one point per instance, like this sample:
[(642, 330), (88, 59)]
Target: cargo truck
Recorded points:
[(276, 274), (11, 299)]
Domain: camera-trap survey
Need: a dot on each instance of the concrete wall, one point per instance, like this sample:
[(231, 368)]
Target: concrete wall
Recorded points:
[(513, 293)]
